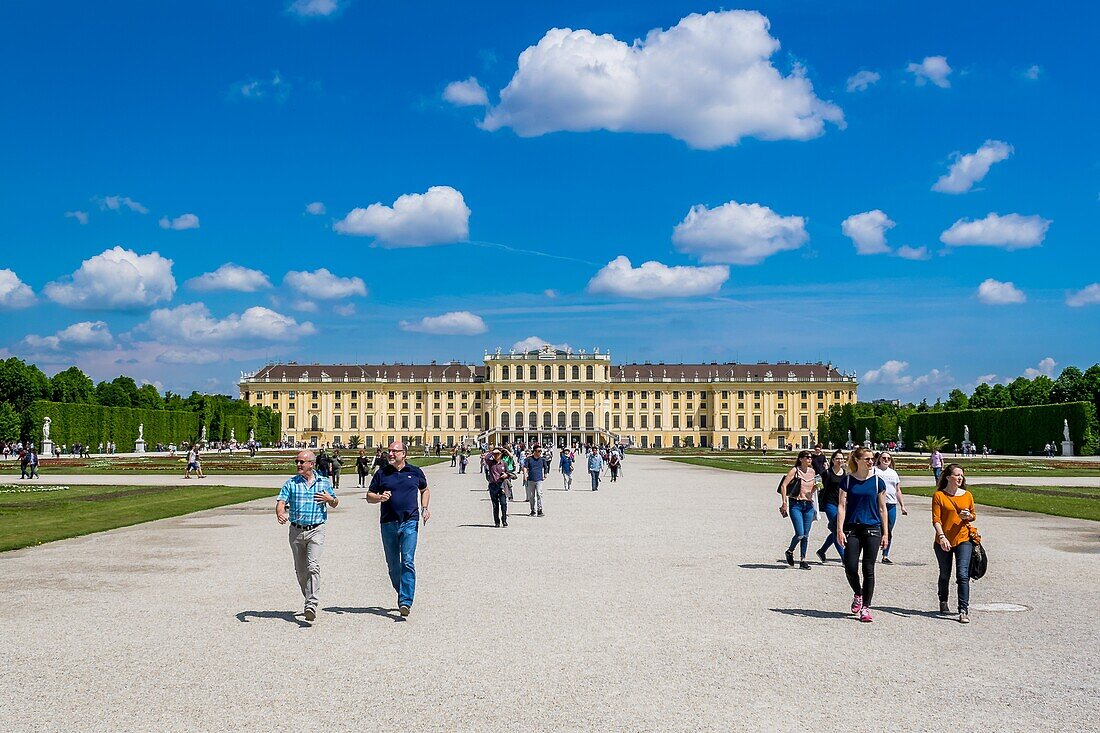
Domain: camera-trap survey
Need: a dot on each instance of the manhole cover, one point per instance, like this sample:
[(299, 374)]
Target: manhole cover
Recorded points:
[(1001, 607)]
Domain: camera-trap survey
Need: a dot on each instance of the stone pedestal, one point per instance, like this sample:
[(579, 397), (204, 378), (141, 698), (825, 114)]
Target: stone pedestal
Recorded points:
[(47, 449), (139, 447), (1067, 447)]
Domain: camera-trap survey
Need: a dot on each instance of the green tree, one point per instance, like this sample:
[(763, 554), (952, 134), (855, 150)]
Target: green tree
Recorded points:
[(980, 398), (22, 383), (1092, 384), (956, 400), (110, 394), (999, 396), (10, 423), (149, 398), (72, 385), (1070, 386), (1041, 387), (129, 386)]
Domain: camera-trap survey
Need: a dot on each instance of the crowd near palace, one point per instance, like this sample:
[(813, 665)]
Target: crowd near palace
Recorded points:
[(550, 396)]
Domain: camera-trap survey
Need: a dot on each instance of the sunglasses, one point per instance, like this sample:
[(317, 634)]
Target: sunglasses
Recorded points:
[(300, 461)]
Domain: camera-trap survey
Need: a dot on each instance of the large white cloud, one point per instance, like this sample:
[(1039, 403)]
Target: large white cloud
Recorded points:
[(230, 277), (933, 69), (85, 333), (534, 343), (1011, 231), (657, 280), (181, 222), (455, 323), (861, 80), (970, 168), (466, 93), (14, 293), (439, 216), (868, 231), (708, 81), (1088, 295), (193, 324), (188, 355), (323, 285), (739, 234), (995, 292), (116, 279), (1044, 368), (894, 373)]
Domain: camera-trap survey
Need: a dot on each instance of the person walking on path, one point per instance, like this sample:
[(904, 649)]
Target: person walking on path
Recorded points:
[(952, 514), (335, 464), (24, 462), (613, 462), (861, 516), (828, 498), (304, 501), (595, 465), (535, 470), (402, 490), (362, 467), (463, 459), (193, 463), (454, 457), (936, 462), (497, 474), (566, 464), (32, 463), (884, 467), (798, 503), (820, 463)]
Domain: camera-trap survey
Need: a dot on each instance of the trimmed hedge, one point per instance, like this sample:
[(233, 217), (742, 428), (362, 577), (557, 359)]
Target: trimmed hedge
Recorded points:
[(1012, 430), (95, 424)]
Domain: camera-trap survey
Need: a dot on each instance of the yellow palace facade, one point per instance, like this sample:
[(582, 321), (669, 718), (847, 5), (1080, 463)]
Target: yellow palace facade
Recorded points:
[(550, 395)]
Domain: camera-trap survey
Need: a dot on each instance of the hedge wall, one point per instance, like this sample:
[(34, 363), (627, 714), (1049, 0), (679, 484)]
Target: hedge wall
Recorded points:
[(1012, 430), (95, 424)]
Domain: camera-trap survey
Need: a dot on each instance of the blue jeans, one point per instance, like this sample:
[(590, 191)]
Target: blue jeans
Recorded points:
[(399, 542), (831, 512), (936, 472), (802, 517), (891, 517), (595, 480), (961, 552)]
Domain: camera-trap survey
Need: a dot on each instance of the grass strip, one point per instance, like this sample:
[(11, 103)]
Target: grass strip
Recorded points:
[(28, 519), (1077, 502), (212, 465), (974, 467)]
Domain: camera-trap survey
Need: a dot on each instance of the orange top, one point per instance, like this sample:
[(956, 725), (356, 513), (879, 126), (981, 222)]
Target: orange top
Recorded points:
[(945, 510)]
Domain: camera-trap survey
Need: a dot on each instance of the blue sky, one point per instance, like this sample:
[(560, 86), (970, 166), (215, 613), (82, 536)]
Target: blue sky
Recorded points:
[(459, 218)]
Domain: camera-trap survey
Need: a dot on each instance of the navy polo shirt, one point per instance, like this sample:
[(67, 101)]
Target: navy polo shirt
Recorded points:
[(404, 487)]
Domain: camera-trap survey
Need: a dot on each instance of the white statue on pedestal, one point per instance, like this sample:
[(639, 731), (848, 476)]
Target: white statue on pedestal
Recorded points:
[(966, 433), (141, 432), (46, 428), (1065, 429), (203, 438), (232, 435), (251, 435)]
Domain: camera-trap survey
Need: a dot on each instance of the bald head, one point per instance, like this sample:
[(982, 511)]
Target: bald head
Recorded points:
[(397, 454), (304, 462)]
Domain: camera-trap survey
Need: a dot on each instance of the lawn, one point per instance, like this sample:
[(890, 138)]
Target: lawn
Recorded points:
[(31, 516), (1062, 501), (213, 464), (909, 465)]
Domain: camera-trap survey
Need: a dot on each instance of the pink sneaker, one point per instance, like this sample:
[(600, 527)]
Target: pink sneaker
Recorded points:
[(865, 615), (857, 603)]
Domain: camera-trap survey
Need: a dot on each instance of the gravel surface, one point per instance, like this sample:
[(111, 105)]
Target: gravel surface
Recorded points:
[(657, 604)]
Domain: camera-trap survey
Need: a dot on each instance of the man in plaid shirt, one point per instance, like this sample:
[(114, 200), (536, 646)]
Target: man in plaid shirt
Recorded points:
[(303, 502)]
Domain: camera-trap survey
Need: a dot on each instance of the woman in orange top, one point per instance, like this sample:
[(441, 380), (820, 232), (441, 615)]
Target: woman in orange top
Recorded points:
[(952, 513)]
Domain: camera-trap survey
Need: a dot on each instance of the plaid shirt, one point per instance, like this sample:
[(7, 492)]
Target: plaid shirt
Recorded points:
[(298, 496)]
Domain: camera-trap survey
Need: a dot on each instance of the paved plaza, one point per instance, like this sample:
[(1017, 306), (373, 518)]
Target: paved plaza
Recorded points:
[(659, 603)]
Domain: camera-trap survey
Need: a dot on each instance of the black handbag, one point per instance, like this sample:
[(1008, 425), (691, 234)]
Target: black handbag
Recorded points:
[(792, 486), (979, 560)]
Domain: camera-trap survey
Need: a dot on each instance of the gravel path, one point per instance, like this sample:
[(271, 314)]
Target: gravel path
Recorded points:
[(656, 604)]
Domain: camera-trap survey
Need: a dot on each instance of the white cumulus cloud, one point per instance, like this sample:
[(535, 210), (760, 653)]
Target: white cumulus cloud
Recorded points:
[(316, 208), (868, 231), (913, 253), (970, 168), (346, 309), (933, 69), (1088, 295), (115, 203), (455, 323), (894, 373), (14, 293), (439, 216), (185, 355), (466, 93), (995, 292), (738, 234), (181, 222), (323, 285), (85, 333), (1045, 368), (534, 343), (80, 216), (193, 324), (117, 279), (1011, 231), (657, 280), (861, 80), (230, 277), (708, 81), (313, 8)]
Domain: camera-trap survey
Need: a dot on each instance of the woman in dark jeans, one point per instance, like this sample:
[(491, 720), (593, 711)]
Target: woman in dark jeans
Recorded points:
[(497, 474), (952, 514), (798, 503), (861, 516), (828, 498)]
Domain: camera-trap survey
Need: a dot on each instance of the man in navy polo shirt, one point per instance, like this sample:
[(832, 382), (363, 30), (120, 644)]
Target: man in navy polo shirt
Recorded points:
[(534, 466), (304, 501), (402, 490)]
